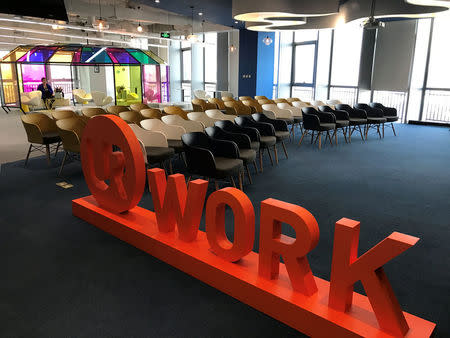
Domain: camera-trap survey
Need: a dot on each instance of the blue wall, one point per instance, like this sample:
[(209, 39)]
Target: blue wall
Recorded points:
[(248, 52), (265, 65)]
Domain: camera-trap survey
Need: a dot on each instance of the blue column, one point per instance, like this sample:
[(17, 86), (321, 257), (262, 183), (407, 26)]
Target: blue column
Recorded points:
[(265, 65), (248, 52)]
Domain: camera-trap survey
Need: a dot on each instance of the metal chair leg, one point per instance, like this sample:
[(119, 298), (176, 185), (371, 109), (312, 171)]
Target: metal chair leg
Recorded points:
[(62, 163), (232, 181), (393, 129), (47, 153), (28, 155), (285, 150)]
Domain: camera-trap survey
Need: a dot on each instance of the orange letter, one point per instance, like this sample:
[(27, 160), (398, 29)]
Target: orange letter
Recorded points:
[(175, 204), (272, 244), (347, 269), (244, 224)]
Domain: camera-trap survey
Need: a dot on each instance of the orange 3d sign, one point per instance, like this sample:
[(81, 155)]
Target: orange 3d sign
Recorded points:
[(288, 292)]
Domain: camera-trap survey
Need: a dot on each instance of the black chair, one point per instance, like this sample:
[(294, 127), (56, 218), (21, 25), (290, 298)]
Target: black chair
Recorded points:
[(280, 126), (327, 122), (246, 153), (389, 113), (253, 133), (342, 120), (375, 117), (357, 118), (311, 123), (267, 138), (212, 158)]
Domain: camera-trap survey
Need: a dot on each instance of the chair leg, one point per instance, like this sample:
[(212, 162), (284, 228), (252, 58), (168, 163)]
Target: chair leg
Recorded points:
[(57, 148), (276, 153), (47, 152), (393, 129), (256, 167), (383, 130), (320, 139), (28, 155), (183, 155), (248, 173), (62, 163), (285, 150), (312, 137), (260, 159), (378, 130), (329, 138), (232, 181), (366, 130), (335, 136), (270, 156), (170, 166), (240, 176), (344, 131), (301, 139), (216, 184)]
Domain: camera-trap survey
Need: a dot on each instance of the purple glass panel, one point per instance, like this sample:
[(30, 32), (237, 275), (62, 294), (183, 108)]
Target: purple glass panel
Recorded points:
[(152, 84), (38, 54), (31, 76), (77, 56), (120, 56)]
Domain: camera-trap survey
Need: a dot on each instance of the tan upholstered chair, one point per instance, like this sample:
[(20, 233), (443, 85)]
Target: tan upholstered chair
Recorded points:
[(93, 111), (245, 98), (116, 109), (131, 116), (151, 113), (281, 101), (218, 115), (238, 108), (81, 96), (256, 107), (138, 106), (265, 101), (63, 114), (225, 94), (189, 126), (199, 105), (218, 102), (261, 97), (228, 99), (292, 99), (175, 110), (41, 133), (70, 130), (300, 104), (202, 118)]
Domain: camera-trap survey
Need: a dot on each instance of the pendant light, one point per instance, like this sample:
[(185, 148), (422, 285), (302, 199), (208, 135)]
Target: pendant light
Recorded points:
[(100, 23), (267, 40), (192, 38)]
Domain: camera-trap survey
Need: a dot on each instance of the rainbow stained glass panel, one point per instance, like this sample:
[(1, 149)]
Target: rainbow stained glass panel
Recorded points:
[(120, 55)]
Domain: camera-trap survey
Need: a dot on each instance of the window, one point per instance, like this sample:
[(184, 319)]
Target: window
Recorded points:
[(306, 35), (439, 68), (186, 56), (186, 70), (304, 63), (210, 63)]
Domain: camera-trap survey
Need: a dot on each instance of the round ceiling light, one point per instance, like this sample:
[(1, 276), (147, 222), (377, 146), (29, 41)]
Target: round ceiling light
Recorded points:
[(267, 40)]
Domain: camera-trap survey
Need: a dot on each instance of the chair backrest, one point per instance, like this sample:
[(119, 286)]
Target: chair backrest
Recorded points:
[(245, 98), (270, 107), (36, 125), (116, 110), (310, 121), (334, 102), (292, 99), (345, 107), (281, 101), (225, 94), (93, 111), (131, 116), (218, 102), (172, 132), (254, 104), (79, 92), (310, 110), (189, 126), (261, 97), (377, 105), (71, 130), (317, 103), (300, 104), (228, 99), (198, 105), (35, 93), (149, 138), (218, 115), (200, 94), (175, 110), (362, 106), (202, 118), (238, 107), (196, 139), (265, 101), (98, 97), (63, 114), (151, 113), (138, 106)]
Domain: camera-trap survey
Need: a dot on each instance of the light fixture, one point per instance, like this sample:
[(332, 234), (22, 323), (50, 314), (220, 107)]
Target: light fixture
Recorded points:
[(139, 28), (236, 22), (192, 38), (267, 40), (100, 23), (232, 48), (157, 1), (200, 13), (54, 26)]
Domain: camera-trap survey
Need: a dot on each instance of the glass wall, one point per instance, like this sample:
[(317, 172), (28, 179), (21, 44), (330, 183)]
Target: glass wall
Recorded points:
[(128, 84), (210, 63), (152, 86)]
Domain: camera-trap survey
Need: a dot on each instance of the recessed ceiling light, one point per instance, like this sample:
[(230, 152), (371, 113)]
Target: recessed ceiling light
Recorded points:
[(236, 21), (200, 13), (157, 1)]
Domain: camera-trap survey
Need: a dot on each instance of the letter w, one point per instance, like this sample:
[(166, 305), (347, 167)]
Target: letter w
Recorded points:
[(175, 204)]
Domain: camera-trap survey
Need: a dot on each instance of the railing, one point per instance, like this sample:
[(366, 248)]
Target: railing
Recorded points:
[(303, 93), (65, 85), (210, 88), (436, 105), (9, 93), (186, 91), (396, 100), (347, 95)]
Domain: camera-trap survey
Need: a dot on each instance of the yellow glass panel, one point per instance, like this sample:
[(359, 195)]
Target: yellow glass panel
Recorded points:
[(16, 54), (62, 56), (7, 73), (9, 83)]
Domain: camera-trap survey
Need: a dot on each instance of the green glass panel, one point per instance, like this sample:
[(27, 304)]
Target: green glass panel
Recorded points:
[(128, 84), (142, 57)]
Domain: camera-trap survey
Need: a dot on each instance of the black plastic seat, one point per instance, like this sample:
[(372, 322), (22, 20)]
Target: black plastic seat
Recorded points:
[(375, 118), (177, 145), (212, 158), (315, 121), (158, 154), (280, 126), (357, 118), (252, 133), (342, 120), (390, 114)]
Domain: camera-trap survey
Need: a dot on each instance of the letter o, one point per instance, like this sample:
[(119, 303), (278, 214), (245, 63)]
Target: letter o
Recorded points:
[(244, 224)]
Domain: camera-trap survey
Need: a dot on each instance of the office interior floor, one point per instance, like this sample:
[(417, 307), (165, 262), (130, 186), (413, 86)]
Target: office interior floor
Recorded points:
[(64, 277)]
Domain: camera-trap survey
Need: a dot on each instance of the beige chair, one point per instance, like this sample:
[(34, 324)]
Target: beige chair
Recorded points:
[(189, 126), (256, 107), (32, 99), (300, 104), (281, 101), (138, 106), (175, 110), (173, 133), (41, 133), (202, 118), (100, 98), (292, 99), (265, 101), (245, 98), (238, 108), (116, 110), (81, 96), (199, 105), (131, 116), (63, 114), (155, 148), (151, 113), (93, 111), (218, 102), (333, 103), (318, 103), (278, 112), (225, 94), (228, 99), (201, 94), (261, 97), (70, 130), (296, 111), (218, 115)]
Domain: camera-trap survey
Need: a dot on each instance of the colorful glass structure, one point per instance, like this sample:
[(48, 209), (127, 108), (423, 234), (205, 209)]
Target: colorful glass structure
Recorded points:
[(138, 75)]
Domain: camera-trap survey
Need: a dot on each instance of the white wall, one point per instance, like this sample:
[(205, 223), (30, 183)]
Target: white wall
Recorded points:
[(233, 63)]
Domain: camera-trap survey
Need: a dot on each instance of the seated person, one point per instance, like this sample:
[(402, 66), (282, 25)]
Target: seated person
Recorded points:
[(47, 92)]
